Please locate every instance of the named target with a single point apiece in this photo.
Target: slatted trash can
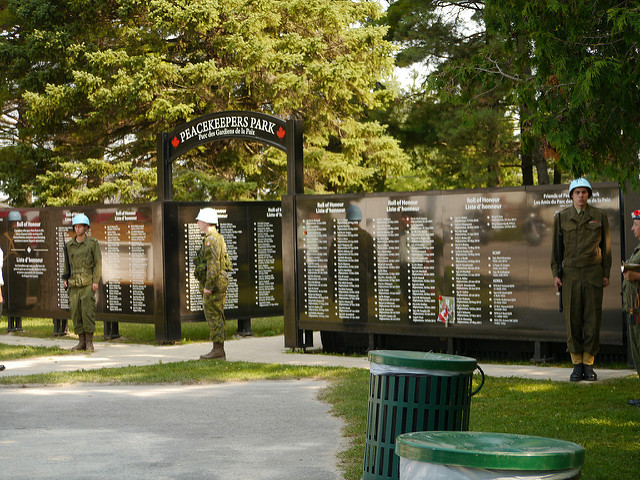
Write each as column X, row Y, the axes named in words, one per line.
column 411, row 392
column 486, row 456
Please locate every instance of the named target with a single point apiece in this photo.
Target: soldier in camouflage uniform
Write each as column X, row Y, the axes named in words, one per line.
column 212, row 265
column 582, row 274
column 83, row 269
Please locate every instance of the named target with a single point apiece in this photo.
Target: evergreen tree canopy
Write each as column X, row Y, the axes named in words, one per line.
column 89, row 84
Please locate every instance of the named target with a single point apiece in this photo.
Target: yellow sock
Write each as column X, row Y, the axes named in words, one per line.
column 588, row 359
column 576, row 358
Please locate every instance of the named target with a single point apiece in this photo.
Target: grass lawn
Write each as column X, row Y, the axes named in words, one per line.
column 145, row 333
column 594, row 415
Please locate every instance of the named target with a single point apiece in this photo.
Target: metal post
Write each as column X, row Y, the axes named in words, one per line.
column 244, row 327
column 14, row 324
column 293, row 337
column 111, row 330
column 60, row 327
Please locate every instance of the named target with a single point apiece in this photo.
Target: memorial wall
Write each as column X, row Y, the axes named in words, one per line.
column 471, row 264
column 131, row 241
column 450, row 264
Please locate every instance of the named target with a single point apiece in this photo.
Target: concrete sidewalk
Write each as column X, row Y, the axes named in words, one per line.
column 248, row 349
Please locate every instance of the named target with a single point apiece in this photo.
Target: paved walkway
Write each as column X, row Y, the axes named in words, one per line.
column 248, row 349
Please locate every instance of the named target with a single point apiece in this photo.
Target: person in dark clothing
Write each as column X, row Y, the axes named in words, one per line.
column 631, row 298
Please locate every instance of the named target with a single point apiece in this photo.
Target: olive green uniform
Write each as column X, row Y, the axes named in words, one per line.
column 631, row 305
column 587, row 261
column 83, row 269
column 214, row 253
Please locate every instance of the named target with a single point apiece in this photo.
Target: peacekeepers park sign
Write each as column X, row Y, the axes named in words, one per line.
column 252, row 126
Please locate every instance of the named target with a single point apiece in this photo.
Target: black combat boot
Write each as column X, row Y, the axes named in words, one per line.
column 578, row 372
column 589, row 375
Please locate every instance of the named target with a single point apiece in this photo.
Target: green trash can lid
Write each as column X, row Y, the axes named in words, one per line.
column 423, row 360
column 496, row 451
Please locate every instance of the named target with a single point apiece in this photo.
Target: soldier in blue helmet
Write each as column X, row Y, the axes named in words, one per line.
column 631, row 298
column 82, row 276
column 582, row 274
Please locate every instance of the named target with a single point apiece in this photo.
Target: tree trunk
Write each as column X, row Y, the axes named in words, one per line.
column 541, row 163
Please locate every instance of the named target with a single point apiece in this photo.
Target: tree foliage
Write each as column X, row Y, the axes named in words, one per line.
column 586, row 77
column 568, row 71
column 458, row 129
column 89, row 84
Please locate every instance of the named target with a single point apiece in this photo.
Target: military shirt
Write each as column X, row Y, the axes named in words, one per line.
column 85, row 262
column 586, row 239
column 214, row 251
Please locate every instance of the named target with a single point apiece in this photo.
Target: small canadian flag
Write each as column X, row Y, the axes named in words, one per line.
column 444, row 314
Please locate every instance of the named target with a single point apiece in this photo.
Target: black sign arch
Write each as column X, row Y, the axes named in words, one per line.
column 248, row 126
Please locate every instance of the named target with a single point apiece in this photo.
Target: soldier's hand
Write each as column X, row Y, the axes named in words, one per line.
column 557, row 282
column 206, row 291
column 605, row 281
column 94, row 286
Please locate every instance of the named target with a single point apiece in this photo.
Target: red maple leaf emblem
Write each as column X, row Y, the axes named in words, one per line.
column 175, row 142
column 281, row 133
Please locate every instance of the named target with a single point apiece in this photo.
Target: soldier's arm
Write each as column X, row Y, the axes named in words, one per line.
column 97, row 267
column 213, row 266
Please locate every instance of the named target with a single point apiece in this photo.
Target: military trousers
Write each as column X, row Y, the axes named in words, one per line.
column 82, row 303
column 213, row 306
column 582, row 291
column 634, row 339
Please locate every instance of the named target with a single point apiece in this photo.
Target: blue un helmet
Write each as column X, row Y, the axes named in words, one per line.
column 580, row 182
column 354, row 213
column 80, row 219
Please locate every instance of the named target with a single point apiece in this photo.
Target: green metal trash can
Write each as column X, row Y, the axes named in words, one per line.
column 411, row 392
column 486, row 456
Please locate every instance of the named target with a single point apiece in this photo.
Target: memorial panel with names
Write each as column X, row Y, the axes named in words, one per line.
column 234, row 229
column 265, row 223
column 30, row 271
column 125, row 235
column 406, row 273
column 333, row 246
column 544, row 317
column 484, row 253
column 348, row 266
column 313, row 244
column 252, row 233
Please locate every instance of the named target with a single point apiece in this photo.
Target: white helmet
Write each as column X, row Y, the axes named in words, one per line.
column 580, row 182
column 208, row 215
